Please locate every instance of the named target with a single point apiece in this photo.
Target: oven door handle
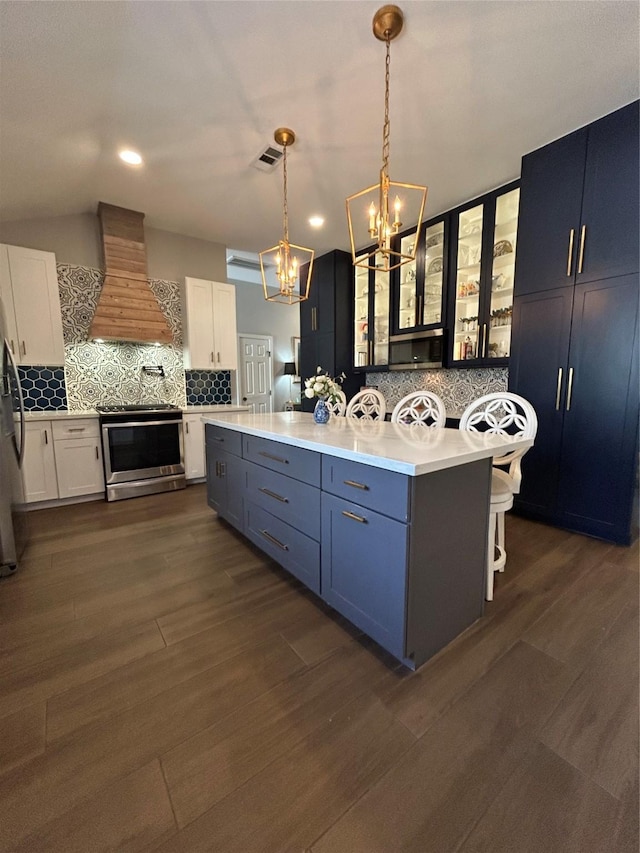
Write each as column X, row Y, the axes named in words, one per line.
column 108, row 425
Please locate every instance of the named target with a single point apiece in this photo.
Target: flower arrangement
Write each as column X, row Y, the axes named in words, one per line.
column 322, row 385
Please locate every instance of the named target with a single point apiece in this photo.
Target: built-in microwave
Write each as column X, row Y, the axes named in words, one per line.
column 416, row 350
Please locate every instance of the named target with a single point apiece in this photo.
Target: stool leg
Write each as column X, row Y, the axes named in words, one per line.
column 501, row 539
column 491, row 555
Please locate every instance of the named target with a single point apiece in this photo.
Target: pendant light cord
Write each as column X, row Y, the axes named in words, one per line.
column 285, row 207
column 386, row 127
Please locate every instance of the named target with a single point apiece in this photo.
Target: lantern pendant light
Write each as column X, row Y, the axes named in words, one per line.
column 375, row 214
column 286, row 258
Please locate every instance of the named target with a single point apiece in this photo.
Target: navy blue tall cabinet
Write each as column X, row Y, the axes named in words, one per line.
column 575, row 327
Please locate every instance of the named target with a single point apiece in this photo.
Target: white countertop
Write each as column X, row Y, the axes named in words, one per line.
column 395, row 447
column 65, row 414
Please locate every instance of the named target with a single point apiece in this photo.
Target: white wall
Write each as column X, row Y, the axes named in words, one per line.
column 76, row 240
column 256, row 316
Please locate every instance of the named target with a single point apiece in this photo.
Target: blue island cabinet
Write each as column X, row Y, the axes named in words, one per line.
column 402, row 557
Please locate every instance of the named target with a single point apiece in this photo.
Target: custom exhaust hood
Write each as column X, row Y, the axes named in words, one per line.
column 127, row 307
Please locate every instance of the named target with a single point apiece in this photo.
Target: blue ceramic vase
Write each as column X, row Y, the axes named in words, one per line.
column 321, row 413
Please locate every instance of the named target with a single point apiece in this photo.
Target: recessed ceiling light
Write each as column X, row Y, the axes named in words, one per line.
column 131, row 157
column 316, row 221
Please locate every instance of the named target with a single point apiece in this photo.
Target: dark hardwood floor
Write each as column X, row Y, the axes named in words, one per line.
column 165, row 687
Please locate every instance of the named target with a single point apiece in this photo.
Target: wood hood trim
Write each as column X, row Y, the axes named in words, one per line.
column 127, row 307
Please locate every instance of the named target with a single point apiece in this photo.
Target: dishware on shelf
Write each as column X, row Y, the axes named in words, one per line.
column 434, row 266
column 502, row 247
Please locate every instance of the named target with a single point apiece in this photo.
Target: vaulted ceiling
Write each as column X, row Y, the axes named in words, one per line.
column 199, row 87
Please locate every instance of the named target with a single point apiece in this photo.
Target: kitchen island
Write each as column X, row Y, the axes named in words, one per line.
column 387, row 523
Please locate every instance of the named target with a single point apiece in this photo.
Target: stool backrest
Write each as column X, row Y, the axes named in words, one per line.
column 368, row 405
column 420, row 407
column 339, row 406
column 503, row 413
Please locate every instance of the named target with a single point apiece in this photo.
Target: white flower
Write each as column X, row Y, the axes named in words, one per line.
column 308, row 392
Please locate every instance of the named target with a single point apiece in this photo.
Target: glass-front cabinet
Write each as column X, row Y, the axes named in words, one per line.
column 420, row 284
column 483, row 257
column 372, row 306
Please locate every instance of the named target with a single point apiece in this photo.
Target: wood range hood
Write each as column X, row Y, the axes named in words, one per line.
column 127, row 307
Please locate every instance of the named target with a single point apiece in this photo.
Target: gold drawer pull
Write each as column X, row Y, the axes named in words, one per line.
column 76, row 429
column 572, row 235
column 583, row 234
column 273, row 495
column 353, row 516
column 272, row 457
column 356, row 485
column 274, row 541
column 558, row 389
column 569, row 389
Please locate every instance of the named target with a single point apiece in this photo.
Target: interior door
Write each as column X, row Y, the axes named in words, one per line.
column 256, row 373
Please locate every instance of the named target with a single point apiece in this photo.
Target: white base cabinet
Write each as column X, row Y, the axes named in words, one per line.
column 39, row 479
column 78, row 457
column 194, row 460
column 210, row 330
column 63, row 459
column 29, row 292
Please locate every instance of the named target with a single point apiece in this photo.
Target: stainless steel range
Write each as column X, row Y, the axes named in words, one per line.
column 143, row 449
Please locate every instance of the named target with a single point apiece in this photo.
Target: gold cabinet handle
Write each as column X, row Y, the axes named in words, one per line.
column 485, row 338
column 354, row 517
column 211, row 358
column 46, row 437
column 97, row 452
column 13, row 348
column 558, row 389
column 218, row 354
column 76, row 429
column 569, row 388
column 273, row 495
column 186, row 427
column 419, row 313
column 572, row 235
column 274, row 541
column 24, row 348
column 356, row 485
column 583, row 234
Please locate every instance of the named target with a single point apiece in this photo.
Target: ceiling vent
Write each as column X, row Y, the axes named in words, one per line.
column 267, row 159
column 244, row 263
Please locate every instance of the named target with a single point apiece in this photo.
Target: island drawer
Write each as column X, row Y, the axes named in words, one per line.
column 76, row 428
column 375, row 488
column 227, row 439
column 290, row 500
column 294, row 551
column 285, row 458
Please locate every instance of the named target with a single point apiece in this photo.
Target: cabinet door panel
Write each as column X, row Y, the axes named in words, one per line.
column 364, row 573
column 540, row 347
column 550, row 205
column 37, row 305
column 610, row 205
column 194, row 466
column 224, row 326
column 600, row 419
column 39, row 466
column 79, row 467
column 200, row 353
column 6, row 296
column 235, row 475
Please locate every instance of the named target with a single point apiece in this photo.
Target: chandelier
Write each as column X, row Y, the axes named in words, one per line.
column 282, row 262
column 375, row 214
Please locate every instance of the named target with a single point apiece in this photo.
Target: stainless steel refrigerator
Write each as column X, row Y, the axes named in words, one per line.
column 13, row 523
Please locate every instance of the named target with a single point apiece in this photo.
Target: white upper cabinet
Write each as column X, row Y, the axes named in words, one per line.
column 210, row 325
column 29, row 291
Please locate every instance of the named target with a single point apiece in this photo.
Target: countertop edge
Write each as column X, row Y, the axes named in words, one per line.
column 377, row 461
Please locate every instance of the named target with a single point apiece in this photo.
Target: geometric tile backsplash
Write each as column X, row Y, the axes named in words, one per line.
column 43, row 388
column 456, row 388
column 102, row 373
column 208, row 387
